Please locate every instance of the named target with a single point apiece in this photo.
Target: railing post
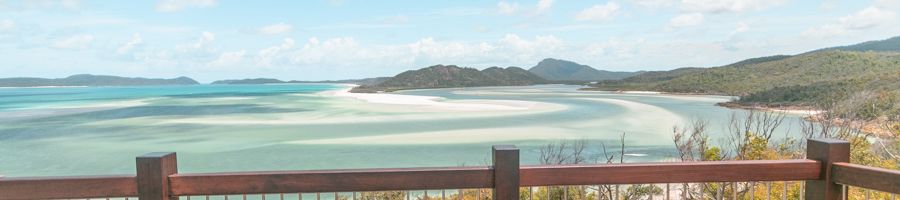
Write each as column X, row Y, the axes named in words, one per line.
column 506, row 172
column 153, row 172
column 827, row 151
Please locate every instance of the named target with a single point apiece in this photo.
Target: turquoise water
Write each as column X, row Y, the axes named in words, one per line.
column 215, row 128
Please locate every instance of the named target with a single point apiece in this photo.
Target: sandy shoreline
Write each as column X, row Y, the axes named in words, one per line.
column 440, row 103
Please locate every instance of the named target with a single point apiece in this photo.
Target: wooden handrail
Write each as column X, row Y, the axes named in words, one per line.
column 867, row 177
column 331, row 180
column 682, row 172
column 70, row 187
column 157, row 177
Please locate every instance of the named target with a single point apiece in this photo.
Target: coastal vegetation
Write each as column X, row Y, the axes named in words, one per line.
column 447, row 76
column 564, row 70
column 92, row 80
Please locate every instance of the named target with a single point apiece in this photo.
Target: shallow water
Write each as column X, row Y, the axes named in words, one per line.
column 214, row 128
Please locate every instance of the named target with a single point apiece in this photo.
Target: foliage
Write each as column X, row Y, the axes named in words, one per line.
column 92, row 80
column 445, row 76
column 563, row 70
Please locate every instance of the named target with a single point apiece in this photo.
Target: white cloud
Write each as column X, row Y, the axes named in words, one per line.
column 7, row 25
column 267, row 56
column 598, row 12
column 507, row 8
column 721, row 6
column 544, row 5
column 203, row 42
column 74, row 42
column 229, row 59
column 177, row 5
column 654, row 3
column 70, row 4
column 686, row 20
column 275, row 29
column 741, row 27
column 128, row 46
column 866, row 19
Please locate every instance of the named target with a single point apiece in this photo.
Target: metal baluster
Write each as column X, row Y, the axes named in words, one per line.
column 426, row 194
column 318, row 196
column 354, row 195
column 768, row 190
column 566, row 192
column 684, row 188
column 752, row 189
column 530, row 193
column 844, row 192
column 407, row 194
column 244, row 196
column 443, row 194
column 734, row 195
column 868, row 194
column 479, row 194
column 263, row 196
column 802, row 190
column 459, row 194
column 226, row 197
column 299, row 196
column 188, row 198
column 280, row 196
column 784, row 195
column 667, row 191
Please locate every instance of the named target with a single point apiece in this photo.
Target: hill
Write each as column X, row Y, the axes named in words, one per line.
column 890, row 44
column 93, row 80
column 363, row 81
column 446, row 76
column 563, row 70
column 249, row 81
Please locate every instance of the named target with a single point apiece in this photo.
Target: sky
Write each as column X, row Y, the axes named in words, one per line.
column 341, row 39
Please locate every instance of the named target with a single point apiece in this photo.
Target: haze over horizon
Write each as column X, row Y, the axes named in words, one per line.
column 343, row 39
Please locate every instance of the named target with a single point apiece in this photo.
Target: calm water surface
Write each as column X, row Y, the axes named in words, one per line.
column 214, row 128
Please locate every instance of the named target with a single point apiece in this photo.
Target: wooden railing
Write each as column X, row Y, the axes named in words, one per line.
column 157, row 177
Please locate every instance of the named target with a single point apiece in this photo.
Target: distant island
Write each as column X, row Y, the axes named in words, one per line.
column 445, row 76
column 364, row 81
column 547, row 71
column 92, row 80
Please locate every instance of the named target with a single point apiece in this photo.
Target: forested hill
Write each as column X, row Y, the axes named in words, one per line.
column 445, row 76
column 810, row 79
column 564, row 70
column 92, row 80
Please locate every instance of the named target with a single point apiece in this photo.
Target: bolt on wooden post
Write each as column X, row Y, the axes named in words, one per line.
column 827, row 151
column 506, row 172
column 153, row 172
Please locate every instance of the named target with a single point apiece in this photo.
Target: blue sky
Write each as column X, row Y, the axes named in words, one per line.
column 337, row 39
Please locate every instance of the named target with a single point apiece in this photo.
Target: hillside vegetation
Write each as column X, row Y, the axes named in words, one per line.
column 563, row 70
column 92, row 80
column 445, row 76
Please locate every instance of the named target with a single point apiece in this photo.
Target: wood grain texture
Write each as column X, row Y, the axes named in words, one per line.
column 826, row 151
column 331, row 180
column 885, row 180
column 153, row 172
column 506, row 172
column 67, row 187
column 717, row 171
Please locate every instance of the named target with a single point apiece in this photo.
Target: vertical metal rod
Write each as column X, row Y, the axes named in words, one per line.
column 868, row 194
column 479, row 194
column 752, row 189
column 226, row 197
column 684, row 188
column 426, row 194
column 784, row 194
column 443, row 194
column 318, row 196
column 667, row 191
column 335, row 196
column 407, row 194
column 459, row 194
column 263, row 196
column 354, row 195
column 299, row 196
column 844, row 192
column 768, row 190
column 280, row 196
column 530, row 193
column 734, row 195
column 566, row 192
column 244, row 196
column 802, row 190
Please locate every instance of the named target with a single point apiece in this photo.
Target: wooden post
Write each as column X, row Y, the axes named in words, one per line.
column 506, row 172
column 153, row 170
column 827, row 151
